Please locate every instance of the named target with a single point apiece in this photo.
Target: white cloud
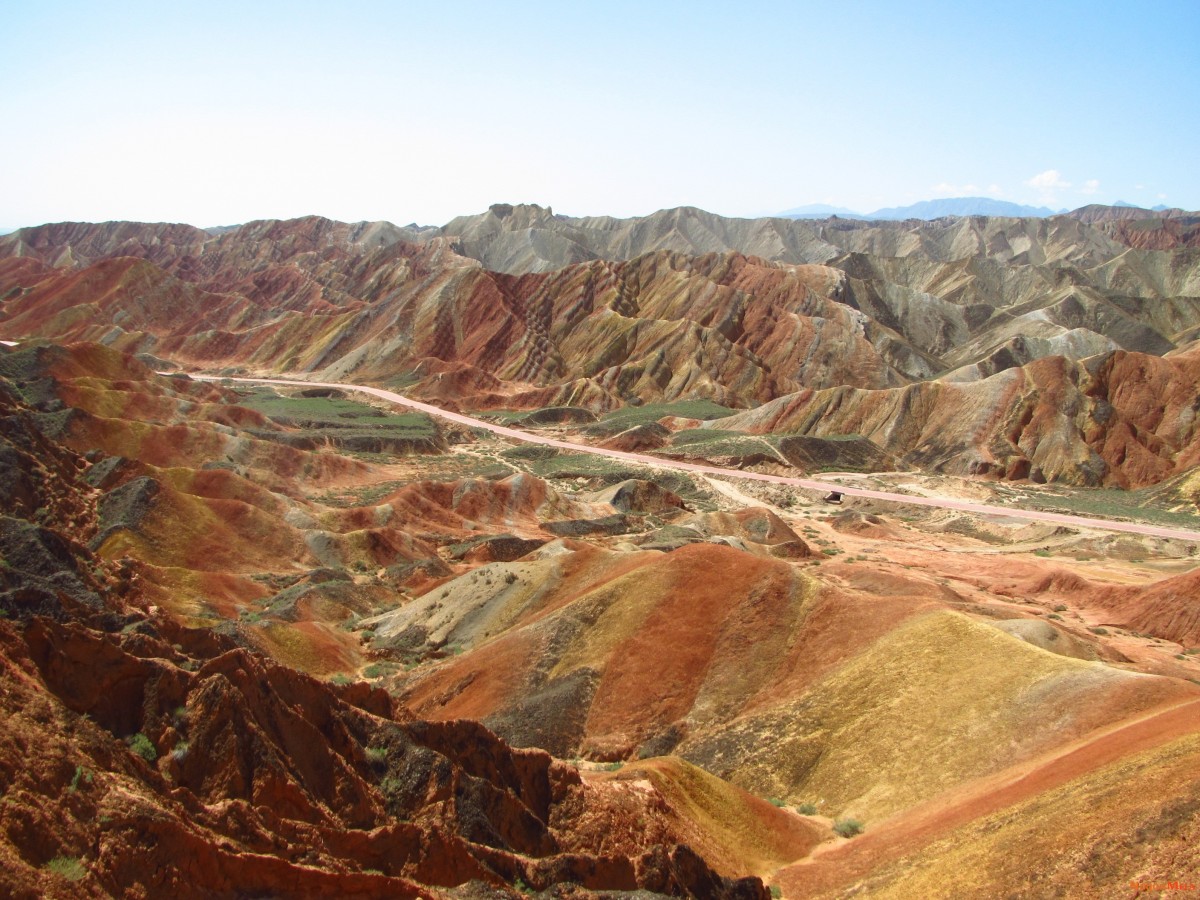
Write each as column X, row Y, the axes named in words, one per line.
column 1162, row 196
column 1049, row 185
column 1048, row 181
column 994, row 190
column 1090, row 186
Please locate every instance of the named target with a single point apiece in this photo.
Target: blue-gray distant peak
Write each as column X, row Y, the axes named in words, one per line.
column 820, row 211
column 960, row 206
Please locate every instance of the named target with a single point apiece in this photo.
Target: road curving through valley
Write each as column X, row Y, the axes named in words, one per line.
column 810, row 484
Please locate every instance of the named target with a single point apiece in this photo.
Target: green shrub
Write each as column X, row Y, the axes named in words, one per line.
column 775, row 801
column 68, row 867
column 1060, row 607
column 807, row 809
column 180, row 751
column 377, row 754
column 776, row 892
column 340, row 679
column 848, row 828
column 141, row 745
column 81, row 774
column 1099, row 629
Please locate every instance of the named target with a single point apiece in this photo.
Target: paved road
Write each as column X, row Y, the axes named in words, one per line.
column 806, row 483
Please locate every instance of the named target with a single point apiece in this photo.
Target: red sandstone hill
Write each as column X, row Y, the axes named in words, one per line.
column 985, row 321
column 1124, row 419
column 1145, row 229
column 140, row 756
column 926, row 298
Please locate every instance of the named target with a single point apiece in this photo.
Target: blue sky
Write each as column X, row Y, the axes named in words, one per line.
column 217, row 113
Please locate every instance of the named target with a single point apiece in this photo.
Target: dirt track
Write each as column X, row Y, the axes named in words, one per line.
column 806, row 483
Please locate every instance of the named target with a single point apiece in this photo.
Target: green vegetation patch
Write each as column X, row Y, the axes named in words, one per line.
column 1142, row 505
column 603, row 472
column 703, row 435
column 337, row 412
column 712, row 442
column 530, row 452
column 631, row 416
column 584, row 465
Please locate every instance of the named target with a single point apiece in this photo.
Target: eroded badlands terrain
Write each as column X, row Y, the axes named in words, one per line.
column 287, row 640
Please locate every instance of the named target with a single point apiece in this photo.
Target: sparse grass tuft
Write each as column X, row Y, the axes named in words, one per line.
column 68, row 867
column 81, row 775
column 848, row 828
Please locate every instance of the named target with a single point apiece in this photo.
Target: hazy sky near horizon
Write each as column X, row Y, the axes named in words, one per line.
column 218, row 113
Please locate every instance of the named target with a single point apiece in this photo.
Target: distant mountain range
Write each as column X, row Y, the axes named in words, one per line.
column 926, row 209
column 961, row 327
